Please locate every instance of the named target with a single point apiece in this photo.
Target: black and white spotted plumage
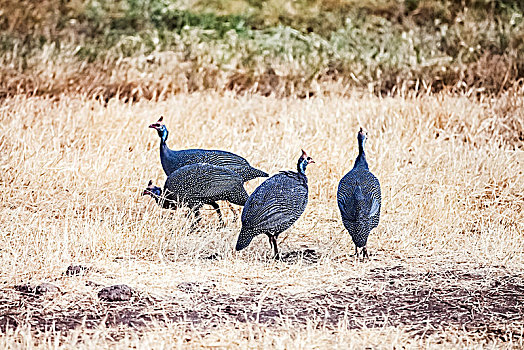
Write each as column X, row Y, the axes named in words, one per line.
column 275, row 205
column 359, row 199
column 172, row 160
column 197, row 184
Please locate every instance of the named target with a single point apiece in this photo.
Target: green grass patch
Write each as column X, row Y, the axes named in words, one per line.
column 287, row 47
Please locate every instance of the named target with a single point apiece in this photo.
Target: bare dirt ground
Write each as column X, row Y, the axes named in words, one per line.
column 490, row 301
column 447, row 260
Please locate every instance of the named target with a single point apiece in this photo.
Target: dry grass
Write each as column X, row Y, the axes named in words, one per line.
column 451, row 169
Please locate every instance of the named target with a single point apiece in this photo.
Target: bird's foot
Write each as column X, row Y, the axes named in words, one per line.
column 365, row 255
column 355, row 254
column 363, row 252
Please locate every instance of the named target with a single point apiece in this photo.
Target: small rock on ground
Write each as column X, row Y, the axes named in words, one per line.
column 74, row 270
column 41, row 289
column 196, row 287
column 45, row 288
column 309, row 256
column 119, row 292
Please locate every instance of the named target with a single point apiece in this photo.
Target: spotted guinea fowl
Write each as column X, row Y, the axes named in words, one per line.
column 275, row 205
column 197, row 184
column 359, row 199
column 172, row 160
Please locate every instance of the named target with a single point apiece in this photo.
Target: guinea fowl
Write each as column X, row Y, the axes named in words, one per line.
column 359, row 199
column 275, row 205
column 197, row 184
column 172, row 160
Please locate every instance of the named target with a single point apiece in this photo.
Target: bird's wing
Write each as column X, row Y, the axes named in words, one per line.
column 203, row 180
column 353, row 197
column 373, row 187
column 349, row 207
column 375, row 206
column 345, row 197
column 224, row 158
column 278, row 200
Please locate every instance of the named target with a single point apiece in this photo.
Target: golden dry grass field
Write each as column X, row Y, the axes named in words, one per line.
column 446, row 269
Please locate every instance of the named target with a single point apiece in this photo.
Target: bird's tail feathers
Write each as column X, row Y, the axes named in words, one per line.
column 239, row 197
column 253, row 173
column 260, row 173
column 244, row 238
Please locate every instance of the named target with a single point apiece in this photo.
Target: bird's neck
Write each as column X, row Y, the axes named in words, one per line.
column 163, row 134
column 301, row 167
column 156, row 197
column 164, row 148
column 361, row 158
column 162, row 200
column 166, row 204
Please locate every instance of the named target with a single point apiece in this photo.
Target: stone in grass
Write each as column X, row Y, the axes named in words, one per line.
column 44, row 288
column 41, row 289
column 74, row 270
column 119, row 292
column 196, row 287
column 309, row 256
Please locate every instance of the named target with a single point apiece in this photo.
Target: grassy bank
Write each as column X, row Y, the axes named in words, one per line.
column 153, row 48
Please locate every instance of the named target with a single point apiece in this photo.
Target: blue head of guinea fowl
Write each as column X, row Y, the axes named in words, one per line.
column 303, row 162
column 153, row 191
column 160, row 128
column 362, row 136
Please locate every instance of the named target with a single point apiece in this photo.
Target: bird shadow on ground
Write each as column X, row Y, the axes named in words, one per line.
column 308, row 256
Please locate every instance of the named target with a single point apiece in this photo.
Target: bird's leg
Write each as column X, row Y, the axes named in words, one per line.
column 275, row 248
column 196, row 211
column 365, row 253
column 217, row 208
column 235, row 215
column 270, row 242
column 356, row 252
